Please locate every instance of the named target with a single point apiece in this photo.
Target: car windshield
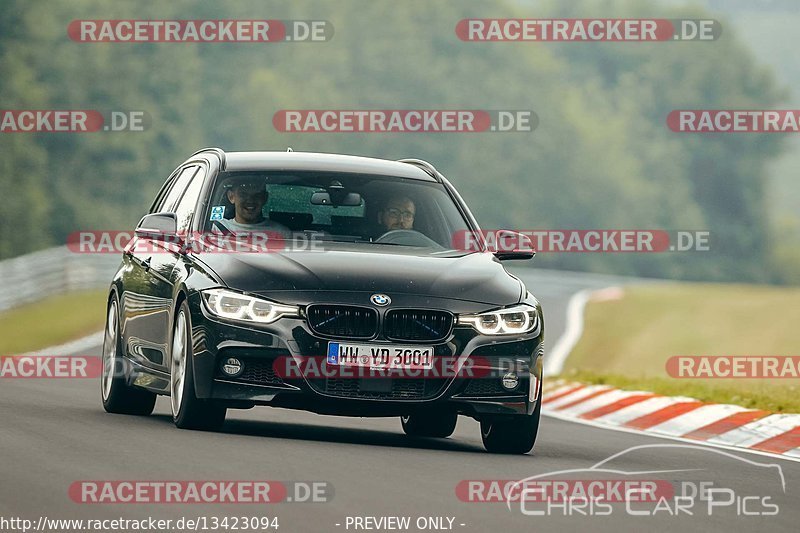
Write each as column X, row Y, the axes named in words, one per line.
column 335, row 207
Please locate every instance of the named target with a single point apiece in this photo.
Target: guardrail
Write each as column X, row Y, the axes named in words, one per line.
column 34, row 276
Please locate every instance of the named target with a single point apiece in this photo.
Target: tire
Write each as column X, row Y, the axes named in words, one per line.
column 118, row 397
column 513, row 434
column 188, row 411
column 437, row 424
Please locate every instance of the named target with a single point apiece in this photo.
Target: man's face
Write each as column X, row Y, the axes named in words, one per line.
column 398, row 214
column 249, row 200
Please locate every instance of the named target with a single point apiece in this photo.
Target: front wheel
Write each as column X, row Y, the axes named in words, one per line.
column 513, row 434
column 437, row 424
column 118, row 397
column 188, row 411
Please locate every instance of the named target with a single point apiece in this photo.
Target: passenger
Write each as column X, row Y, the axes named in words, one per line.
column 398, row 213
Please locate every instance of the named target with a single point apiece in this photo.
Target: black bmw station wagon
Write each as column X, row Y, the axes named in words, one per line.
column 329, row 283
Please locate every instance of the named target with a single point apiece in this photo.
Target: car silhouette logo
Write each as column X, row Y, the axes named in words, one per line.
column 380, row 299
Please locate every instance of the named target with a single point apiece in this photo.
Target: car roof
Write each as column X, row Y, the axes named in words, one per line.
column 242, row 161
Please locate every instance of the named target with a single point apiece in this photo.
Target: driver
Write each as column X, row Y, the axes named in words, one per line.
column 397, row 213
column 248, row 197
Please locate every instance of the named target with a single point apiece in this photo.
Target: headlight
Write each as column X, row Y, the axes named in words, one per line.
column 513, row 320
column 236, row 306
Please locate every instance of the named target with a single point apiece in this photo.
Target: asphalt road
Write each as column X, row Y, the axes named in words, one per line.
column 55, row 432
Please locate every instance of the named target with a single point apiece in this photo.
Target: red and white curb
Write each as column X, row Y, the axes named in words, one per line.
column 729, row 426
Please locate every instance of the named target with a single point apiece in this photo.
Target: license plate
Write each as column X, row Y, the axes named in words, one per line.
column 377, row 356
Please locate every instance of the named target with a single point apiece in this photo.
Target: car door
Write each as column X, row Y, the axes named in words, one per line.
column 163, row 266
column 146, row 299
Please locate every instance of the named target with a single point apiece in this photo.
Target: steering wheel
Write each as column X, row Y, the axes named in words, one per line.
column 407, row 237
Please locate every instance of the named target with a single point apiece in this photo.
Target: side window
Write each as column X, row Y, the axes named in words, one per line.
column 186, row 206
column 168, row 204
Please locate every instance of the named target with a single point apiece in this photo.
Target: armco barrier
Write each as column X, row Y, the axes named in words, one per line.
column 34, row 276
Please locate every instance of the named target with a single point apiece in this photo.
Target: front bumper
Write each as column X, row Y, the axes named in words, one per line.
column 475, row 389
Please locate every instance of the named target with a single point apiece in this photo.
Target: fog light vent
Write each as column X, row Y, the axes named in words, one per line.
column 510, row 381
column 232, row 367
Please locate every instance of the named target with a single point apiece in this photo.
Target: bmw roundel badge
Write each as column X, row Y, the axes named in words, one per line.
column 380, row 299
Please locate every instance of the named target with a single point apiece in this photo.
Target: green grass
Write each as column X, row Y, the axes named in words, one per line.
column 52, row 321
column 627, row 342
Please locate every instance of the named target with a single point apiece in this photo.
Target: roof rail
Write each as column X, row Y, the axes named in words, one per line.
column 219, row 152
column 424, row 165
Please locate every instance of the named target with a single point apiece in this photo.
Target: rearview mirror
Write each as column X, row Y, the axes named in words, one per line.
column 336, row 198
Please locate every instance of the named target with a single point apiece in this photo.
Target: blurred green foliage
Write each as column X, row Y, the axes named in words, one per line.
column 601, row 157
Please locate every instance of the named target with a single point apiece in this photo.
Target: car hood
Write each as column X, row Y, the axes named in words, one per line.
column 476, row 277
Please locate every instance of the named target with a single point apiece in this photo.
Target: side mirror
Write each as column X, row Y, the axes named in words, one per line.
column 159, row 227
column 511, row 245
